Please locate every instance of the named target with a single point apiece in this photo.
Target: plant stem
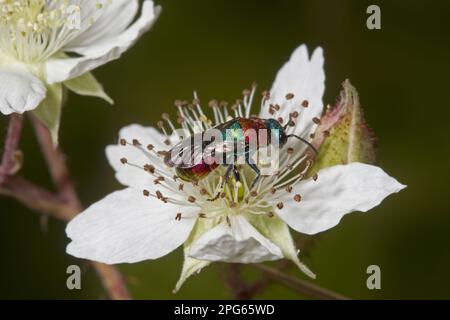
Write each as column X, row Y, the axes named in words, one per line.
column 241, row 290
column 63, row 205
column 56, row 163
column 299, row 285
column 8, row 163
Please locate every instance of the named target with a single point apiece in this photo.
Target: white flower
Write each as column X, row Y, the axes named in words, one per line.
column 47, row 43
column 157, row 212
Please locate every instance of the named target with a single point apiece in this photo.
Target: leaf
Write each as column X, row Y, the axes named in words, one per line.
column 87, row 85
column 343, row 135
column 274, row 229
column 49, row 111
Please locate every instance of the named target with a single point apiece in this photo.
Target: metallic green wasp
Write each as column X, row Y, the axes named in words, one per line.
column 196, row 157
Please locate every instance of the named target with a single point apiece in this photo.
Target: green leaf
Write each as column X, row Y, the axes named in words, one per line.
column 49, row 111
column 343, row 135
column 87, row 85
column 193, row 266
column 274, row 229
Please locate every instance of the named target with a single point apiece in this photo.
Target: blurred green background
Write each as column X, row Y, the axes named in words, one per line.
column 218, row 48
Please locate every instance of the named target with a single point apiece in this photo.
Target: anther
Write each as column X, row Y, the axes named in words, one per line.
column 326, row 133
column 181, row 187
column 280, row 205
column 266, row 95
column 162, row 153
column 290, row 96
column 271, row 110
column 124, row 160
column 316, row 120
column 273, row 191
column 178, row 217
column 289, row 189
column 270, row 214
column 149, row 168
column 146, row 193
column 254, row 194
column 150, row 147
column 228, row 221
column 167, row 142
column 165, row 116
column 202, row 215
column 123, row 142
column 305, row 104
column 290, row 151
column 297, row 198
column 246, row 93
column 192, row 199
column 315, row 177
column 280, row 120
column 203, row 192
column 294, row 115
column 213, row 103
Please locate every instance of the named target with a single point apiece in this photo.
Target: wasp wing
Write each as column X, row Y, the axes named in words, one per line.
column 188, row 152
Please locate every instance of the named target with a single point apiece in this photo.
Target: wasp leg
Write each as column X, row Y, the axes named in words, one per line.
column 255, row 168
column 224, row 181
column 236, row 174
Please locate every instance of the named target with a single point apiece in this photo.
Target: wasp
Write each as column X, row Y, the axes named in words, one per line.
column 195, row 157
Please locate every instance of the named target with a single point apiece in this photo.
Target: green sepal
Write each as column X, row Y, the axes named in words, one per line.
column 87, row 85
column 343, row 135
column 49, row 111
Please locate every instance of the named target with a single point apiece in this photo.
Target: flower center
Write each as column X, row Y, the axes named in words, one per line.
column 217, row 194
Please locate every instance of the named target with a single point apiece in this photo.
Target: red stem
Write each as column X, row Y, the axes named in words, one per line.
column 8, row 164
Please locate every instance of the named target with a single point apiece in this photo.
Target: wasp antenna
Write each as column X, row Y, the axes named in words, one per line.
column 304, row 141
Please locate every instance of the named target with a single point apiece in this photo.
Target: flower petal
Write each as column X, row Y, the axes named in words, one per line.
column 240, row 243
column 113, row 18
column 131, row 175
column 20, row 91
column 59, row 69
column 339, row 190
column 305, row 78
column 126, row 227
